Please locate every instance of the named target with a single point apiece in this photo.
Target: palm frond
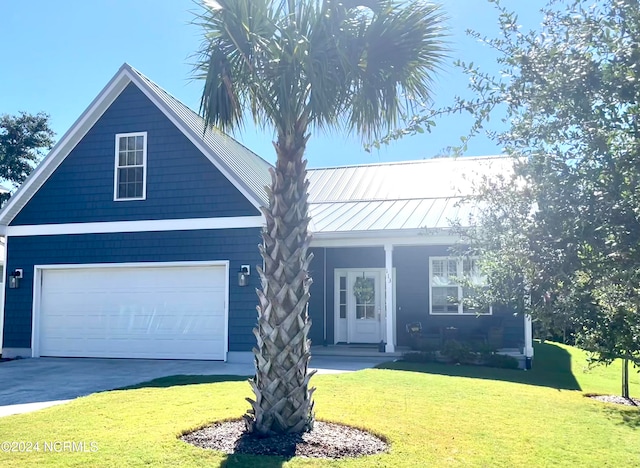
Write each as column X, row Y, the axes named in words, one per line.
column 318, row 63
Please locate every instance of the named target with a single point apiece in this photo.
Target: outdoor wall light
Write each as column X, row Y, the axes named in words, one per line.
column 243, row 275
column 14, row 278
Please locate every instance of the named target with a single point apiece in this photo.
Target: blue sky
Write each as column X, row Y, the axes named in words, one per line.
column 58, row 55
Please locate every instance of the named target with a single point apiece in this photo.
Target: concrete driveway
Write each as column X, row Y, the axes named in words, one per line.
column 31, row 384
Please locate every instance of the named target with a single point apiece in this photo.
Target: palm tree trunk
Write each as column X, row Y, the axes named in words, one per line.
column 283, row 401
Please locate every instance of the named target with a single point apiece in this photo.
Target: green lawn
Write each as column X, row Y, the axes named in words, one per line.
column 433, row 415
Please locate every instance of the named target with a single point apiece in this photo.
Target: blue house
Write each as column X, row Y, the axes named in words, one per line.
column 136, row 237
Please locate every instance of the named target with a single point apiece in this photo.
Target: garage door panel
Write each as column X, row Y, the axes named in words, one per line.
column 137, row 312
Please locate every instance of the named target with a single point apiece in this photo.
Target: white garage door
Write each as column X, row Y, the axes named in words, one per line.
column 134, row 312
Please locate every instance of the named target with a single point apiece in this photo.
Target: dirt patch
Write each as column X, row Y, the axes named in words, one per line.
column 326, row 440
column 616, row 399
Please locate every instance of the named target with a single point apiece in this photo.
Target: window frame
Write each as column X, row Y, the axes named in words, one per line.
column 459, row 272
column 117, row 166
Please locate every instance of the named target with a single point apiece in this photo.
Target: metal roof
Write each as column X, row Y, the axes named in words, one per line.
column 398, row 196
column 370, row 198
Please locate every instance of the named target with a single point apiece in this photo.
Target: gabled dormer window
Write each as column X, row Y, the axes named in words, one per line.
column 131, row 166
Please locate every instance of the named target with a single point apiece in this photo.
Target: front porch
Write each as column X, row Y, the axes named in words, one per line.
column 357, row 350
column 397, row 282
column 371, row 351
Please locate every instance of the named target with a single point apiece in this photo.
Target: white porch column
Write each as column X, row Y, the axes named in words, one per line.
column 388, row 282
column 528, row 341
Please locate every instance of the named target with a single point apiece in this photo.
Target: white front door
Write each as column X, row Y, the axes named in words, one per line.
column 360, row 302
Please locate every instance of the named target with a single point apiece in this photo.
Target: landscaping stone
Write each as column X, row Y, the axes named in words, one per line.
column 326, row 440
column 615, row 399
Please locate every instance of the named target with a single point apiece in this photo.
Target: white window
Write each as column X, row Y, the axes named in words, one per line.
column 445, row 293
column 131, row 166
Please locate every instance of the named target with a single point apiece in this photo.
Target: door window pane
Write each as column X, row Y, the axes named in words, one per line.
column 342, row 300
column 365, row 293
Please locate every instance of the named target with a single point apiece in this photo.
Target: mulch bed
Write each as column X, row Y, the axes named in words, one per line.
column 616, row 399
column 326, row 440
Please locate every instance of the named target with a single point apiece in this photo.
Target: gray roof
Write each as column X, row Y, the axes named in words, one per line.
column 398, row 196
column 250, row 169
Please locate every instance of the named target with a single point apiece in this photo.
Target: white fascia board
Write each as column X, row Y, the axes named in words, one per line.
column 380, row 238
column 190, row 224
column 195, row 139
column 64, row 146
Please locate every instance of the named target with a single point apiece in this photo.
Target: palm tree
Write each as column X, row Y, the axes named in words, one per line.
column 297, row 66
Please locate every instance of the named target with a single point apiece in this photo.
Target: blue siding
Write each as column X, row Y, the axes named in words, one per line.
column 239, row 246
column 412, row 293
column 181, row 181
column 348, row 257
column 412, row 302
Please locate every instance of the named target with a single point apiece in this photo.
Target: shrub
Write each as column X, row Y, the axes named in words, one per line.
column 420, row 356
column 502, row 361
column 458, row 352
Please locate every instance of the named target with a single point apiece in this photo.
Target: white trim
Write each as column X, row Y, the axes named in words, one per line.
column 324, row 294
column 3, row 293
column 460, row 312
column 117, row 165
column 389, row 310
column 377, row 239
column 337, row 272
column 37, row 291
column 528, row 337
column 189, row 224
column 79, row 266
column 35, row 311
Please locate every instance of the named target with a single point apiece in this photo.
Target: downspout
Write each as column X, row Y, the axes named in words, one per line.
column 324, row 293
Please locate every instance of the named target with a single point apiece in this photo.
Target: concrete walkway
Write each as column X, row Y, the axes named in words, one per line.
column 32, row 384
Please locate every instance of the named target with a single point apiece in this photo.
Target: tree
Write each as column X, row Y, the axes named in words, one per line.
column 23, row 140
column 299, row 66
column 562, row 236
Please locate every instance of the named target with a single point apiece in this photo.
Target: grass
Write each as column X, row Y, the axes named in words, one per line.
column 433, row 415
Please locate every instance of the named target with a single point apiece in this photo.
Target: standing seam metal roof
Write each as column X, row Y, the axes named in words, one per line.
column 399, row 196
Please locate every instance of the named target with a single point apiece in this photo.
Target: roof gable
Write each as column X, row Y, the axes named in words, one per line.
column 244, row 169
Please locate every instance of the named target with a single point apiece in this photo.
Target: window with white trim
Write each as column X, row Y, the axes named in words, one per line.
column 446, row 294
column 131, row 166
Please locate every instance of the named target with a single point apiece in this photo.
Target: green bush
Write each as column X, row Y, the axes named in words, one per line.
column 457, row 352
column 502, row 361
column 420, row 356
